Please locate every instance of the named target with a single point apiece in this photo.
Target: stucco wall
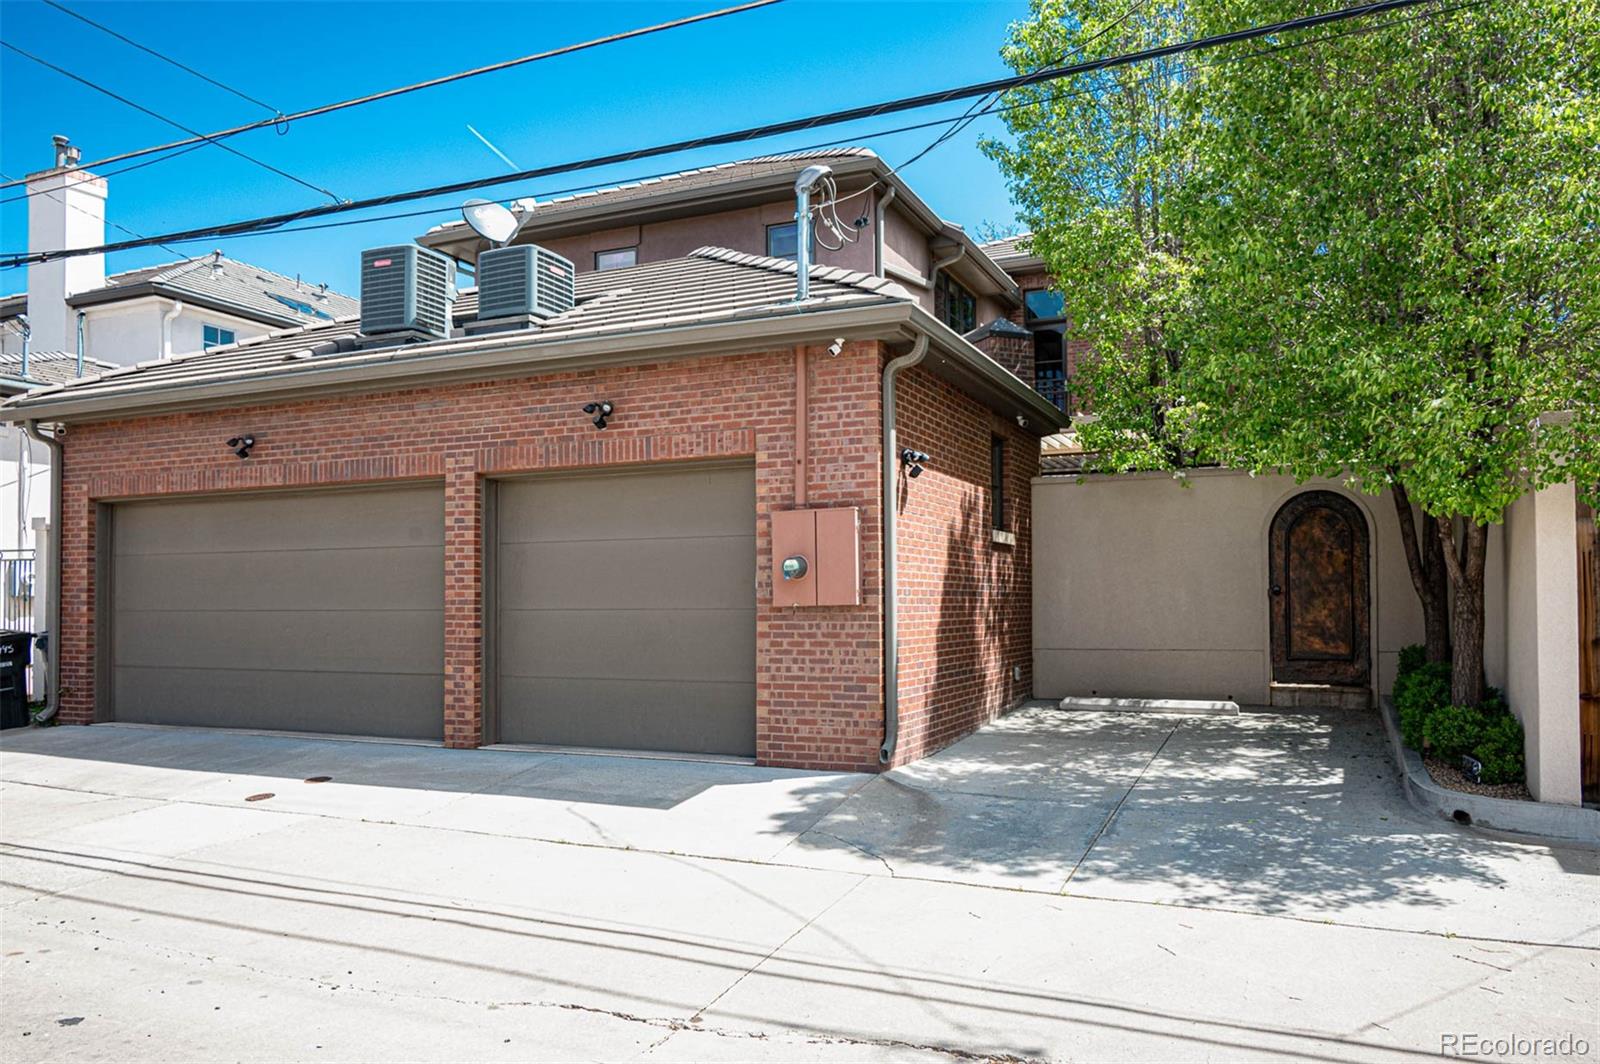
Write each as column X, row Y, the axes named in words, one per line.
column 1144, row 587
column 130, row 332
column 1540, row 592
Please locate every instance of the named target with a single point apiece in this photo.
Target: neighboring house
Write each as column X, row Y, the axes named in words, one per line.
column 1043, row 315
column 453, row 539
column 73, row 309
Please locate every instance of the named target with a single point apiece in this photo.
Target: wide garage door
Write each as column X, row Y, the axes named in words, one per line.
column 317, row 611
column 625, row 610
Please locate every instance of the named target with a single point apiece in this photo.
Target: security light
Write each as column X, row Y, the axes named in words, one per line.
column 241, row 445
column 913, row 460
column 599, row 410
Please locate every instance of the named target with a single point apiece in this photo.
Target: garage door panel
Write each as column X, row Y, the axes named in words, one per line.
column 628, row 506
column 699, row 573
column 382, row 578
column 338, row 703
column 319, row 611
column 330, row 519
column 631, row 644
column 693, row 717
column 389, row 641
column 625, row 610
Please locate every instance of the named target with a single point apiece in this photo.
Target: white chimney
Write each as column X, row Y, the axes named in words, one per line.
column 65, row 210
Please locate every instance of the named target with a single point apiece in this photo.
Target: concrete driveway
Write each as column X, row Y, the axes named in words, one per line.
column 1058, row 886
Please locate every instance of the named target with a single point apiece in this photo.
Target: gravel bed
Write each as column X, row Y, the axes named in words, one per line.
column 1448, row 775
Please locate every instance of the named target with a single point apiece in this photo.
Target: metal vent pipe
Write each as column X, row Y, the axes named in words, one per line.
column 802, row 227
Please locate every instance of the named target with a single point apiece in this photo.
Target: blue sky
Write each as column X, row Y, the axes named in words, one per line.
column 786, row 61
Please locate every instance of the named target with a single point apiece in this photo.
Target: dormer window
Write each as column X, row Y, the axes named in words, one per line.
column 616, row 259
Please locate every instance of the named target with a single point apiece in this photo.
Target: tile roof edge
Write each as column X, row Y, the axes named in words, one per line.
column 837, row 274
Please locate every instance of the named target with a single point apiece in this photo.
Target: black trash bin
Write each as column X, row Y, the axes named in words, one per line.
column 16, row 650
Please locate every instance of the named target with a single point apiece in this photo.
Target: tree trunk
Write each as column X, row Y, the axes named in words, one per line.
column 1425, row 559
column 1466, row 564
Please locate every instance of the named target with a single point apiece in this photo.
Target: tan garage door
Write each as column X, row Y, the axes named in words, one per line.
column 625, row 608
column 317, row 611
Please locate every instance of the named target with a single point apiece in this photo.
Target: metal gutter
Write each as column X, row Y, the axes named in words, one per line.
column 891, row 568
column 499, row 355
column 146, row 289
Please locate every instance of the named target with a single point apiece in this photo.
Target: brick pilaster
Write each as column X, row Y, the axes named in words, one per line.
column 463, row 601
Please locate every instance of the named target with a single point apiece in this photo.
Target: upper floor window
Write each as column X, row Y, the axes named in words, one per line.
column 214, row 336
column 1044, row 304
column 783, row 241
column 616, row 259
column 954, row 305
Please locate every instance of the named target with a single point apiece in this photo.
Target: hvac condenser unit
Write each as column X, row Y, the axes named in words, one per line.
column 524, row 280
column 406, row 289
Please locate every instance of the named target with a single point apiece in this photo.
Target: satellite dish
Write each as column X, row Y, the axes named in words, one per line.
column 491, row 221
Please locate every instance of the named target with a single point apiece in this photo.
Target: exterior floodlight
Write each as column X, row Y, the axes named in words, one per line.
column 490, row 220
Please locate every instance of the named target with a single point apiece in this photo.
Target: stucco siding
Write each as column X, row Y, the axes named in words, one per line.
column 1147, row 587
column 1541, row 637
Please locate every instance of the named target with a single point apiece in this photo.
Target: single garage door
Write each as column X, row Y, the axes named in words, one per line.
column 625, row 611
column 317, row 611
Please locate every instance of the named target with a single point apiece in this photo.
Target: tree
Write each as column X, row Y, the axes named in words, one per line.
column 1091, row 169
column 1391, row 250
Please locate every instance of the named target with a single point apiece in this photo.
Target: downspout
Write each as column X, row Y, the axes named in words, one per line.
column 166, row 328
column 27, row 344
column 891, row 523
column 933, row 274
column 52, row 605
column 882, row 208
column 80, row 343
column 802, row 415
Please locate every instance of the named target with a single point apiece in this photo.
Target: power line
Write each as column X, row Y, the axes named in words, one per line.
column 282, row 121
column 161, row 117
column 161, row 56
column 91, row 214
column 979, row 89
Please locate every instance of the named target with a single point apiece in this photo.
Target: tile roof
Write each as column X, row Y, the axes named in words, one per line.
column 709, row 284
column 13, row 305
column 45, row 367
column 251, row 290
column 703, row 177
column 1010, row 251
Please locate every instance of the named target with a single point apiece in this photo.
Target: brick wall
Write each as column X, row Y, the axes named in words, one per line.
column 1075, row 348
column 966, row 610
column 1014, row 353
column 818, row 678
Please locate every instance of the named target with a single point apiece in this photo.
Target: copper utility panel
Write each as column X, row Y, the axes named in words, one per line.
column 816, row 557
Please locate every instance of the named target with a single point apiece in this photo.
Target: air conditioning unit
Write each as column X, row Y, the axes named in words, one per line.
column 406, row 289
column 524, row 280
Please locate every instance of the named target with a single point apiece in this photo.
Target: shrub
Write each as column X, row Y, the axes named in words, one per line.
column 1417, row 694
column 1454, row 730
column 1500, row 750
column 1412, row 658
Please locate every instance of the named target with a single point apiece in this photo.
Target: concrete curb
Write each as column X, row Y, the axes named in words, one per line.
column 1540, row 821
column 1153, row 705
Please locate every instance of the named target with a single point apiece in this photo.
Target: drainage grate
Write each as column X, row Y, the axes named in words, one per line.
column 259, row 797
column 318, row 779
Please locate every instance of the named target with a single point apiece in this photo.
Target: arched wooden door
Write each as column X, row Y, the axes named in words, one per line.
column 1320, row 601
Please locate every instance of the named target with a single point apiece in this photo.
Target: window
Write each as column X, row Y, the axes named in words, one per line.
column 1050, row 364
column 214, row 336
column 997, row 482
column 782, row 241
column 954, row 305
column 1044, row 305
column 616, row 259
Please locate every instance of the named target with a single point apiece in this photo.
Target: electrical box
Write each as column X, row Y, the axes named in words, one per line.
column 816, row 557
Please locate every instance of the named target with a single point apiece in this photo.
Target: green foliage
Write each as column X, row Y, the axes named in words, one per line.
column 1417, row 694
column 1369, row 252
column 1412, row 658
column 1500, row 749
column 1454, row 730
